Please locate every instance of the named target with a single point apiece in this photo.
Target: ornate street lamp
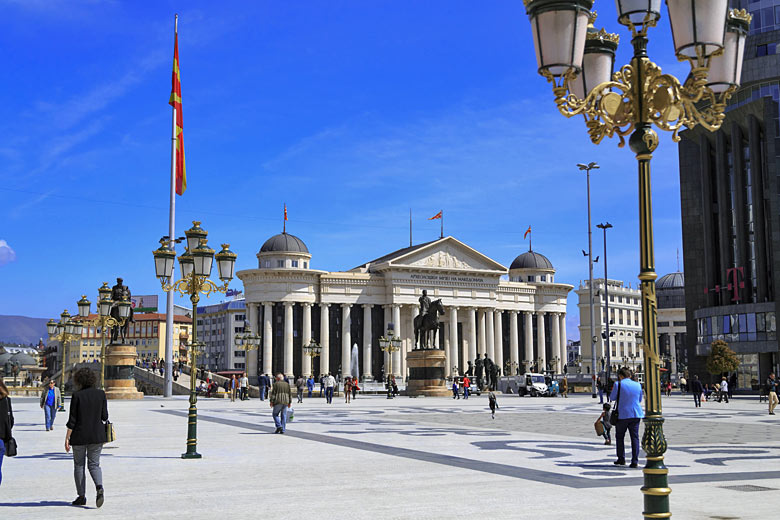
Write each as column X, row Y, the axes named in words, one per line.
column 64, row 331
column 390, row 344
column 638, row 96
column 313, row 349
column 248, row 340
column 195, row 266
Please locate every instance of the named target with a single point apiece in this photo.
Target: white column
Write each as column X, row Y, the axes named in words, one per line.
column 453, row 340
column 325, row 338
column 540, row 339
column 556, row 342
column 346, row 340
column 397, row 355
column 288, row 339
column 489, row 343
column 673, row 352
column 268, row 336
column 528, row 325
column 481, row 346
column 562, row 336
column 472, row 343
column 388, row 320
column 409, row 343
column 498, row 339
column 305, row 339
column 514, row 349
column 367, row 341
column 252, row 369
column 448, row 363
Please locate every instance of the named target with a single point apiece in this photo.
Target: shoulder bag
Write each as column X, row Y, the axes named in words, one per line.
column 10, row 447
column 110, row 433
column 613, row 417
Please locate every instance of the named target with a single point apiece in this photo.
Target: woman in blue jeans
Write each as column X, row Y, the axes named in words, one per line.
column 51, row 400
column 627, row 396
column 6, row 423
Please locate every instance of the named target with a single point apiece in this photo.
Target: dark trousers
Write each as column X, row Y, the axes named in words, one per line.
column 329, row 394
column 632, row 425
column 697, row 399
column 300, row 395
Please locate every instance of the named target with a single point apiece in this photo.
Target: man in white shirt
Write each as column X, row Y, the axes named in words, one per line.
column 724, row 390
column 244, row 387
column 330, row 383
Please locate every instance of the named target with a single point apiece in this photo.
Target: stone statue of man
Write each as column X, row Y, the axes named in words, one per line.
column 425, row 303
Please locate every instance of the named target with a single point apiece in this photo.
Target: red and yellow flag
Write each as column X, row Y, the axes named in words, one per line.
column 438, row 215
column 526, row 233
column 285, row 212
column 175, row 102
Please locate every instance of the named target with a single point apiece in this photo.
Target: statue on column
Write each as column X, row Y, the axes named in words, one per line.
column 494, row 372
column 478, row 371
column 488, row 363
column 120, row 292
column 469, row 370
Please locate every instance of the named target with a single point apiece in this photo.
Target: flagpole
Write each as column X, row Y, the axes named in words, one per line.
column 410, row 228
column 168, row 390
column 442, row 224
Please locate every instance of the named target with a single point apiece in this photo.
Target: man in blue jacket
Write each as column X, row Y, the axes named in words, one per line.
column 627, row 396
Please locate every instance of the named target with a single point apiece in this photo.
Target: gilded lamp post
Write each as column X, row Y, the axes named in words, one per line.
column 579, row 60
column 103, row 320
column 195, row 265
column 313, row 350
column 390, row 344
column 64, row 331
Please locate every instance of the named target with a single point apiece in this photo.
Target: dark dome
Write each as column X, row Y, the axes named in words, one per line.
column 531, row 260
column 671, row 281
column 284, row 243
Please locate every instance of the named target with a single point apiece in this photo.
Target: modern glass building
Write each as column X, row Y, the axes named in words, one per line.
column 731, row 213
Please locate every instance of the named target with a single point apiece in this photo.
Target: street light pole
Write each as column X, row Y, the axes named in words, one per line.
column 607, row 347
column 587, row 168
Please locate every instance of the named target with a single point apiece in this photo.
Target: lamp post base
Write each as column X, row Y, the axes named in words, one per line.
column 193, row 455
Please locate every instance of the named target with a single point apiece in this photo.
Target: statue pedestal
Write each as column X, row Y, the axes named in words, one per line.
column 426, row 373
column 120, row 367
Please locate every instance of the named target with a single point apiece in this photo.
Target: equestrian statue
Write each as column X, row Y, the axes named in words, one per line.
column 426, row 324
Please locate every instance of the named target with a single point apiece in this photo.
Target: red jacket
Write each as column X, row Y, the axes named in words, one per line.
column 466, row 382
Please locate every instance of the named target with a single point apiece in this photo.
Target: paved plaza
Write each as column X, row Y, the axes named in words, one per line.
column 406, row 458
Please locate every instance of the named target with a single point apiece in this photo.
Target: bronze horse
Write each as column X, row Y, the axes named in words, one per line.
column 427, row 323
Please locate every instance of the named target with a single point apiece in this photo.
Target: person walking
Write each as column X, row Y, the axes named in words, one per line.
column 6, row 423
column 300, row 384
column 244, row 387
column 493, row 403
column 310, row 385
column 347, row 389
column 323, row 378
column 565, row 388
column 627, row 395
column 697, row 390
column 771, row 388
column 330, row 382
column 723, row 393
column 606, row 426
column 51, row 400
column 455, row 393
column 281, row 400
column 262, row 383
column 466, row 387
column 233, row 384
column 355, row 388
column 87, row 433
column 683, row 385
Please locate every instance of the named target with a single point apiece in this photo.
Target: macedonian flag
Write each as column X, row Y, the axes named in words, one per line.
column 175, row 102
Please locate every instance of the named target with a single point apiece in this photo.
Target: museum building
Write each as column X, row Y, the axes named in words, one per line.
column 517, row 315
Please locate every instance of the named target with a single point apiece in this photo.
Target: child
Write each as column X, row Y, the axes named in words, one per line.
column 455, row 393
column 604, row 418
column 493, row 403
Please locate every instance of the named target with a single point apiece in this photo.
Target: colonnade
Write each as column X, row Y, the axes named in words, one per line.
column 482, row 330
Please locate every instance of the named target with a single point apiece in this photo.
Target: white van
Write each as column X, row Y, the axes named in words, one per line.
column 533, row 385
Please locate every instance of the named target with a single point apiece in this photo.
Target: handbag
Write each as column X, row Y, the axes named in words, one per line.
column 290, row 414
column 110, row 432
column 613, row 417
column 10, row 447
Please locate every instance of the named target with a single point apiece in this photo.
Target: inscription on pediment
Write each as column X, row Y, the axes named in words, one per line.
column 444, row 259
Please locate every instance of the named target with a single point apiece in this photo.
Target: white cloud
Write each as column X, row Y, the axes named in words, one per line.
column 7, row 255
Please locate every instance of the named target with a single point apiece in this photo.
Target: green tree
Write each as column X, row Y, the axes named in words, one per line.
column 721, row 358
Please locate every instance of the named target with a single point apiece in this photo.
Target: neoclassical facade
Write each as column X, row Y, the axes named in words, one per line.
column 517, row 315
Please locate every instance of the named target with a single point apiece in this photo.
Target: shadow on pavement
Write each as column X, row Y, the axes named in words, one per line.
column 42, row 503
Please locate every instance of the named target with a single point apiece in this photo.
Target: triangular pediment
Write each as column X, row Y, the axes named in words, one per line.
column 447, row 254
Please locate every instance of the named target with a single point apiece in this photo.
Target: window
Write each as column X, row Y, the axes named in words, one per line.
column 530, row 278
column 306, row 265
column 543, row 278
column 280, row 263
column 239, row 353
column 295, row 263
column 267, row 263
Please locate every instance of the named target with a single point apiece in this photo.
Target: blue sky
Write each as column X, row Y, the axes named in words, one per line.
column 351, row 112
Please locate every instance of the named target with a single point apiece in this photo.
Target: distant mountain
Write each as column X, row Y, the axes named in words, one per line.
column 22, row 329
